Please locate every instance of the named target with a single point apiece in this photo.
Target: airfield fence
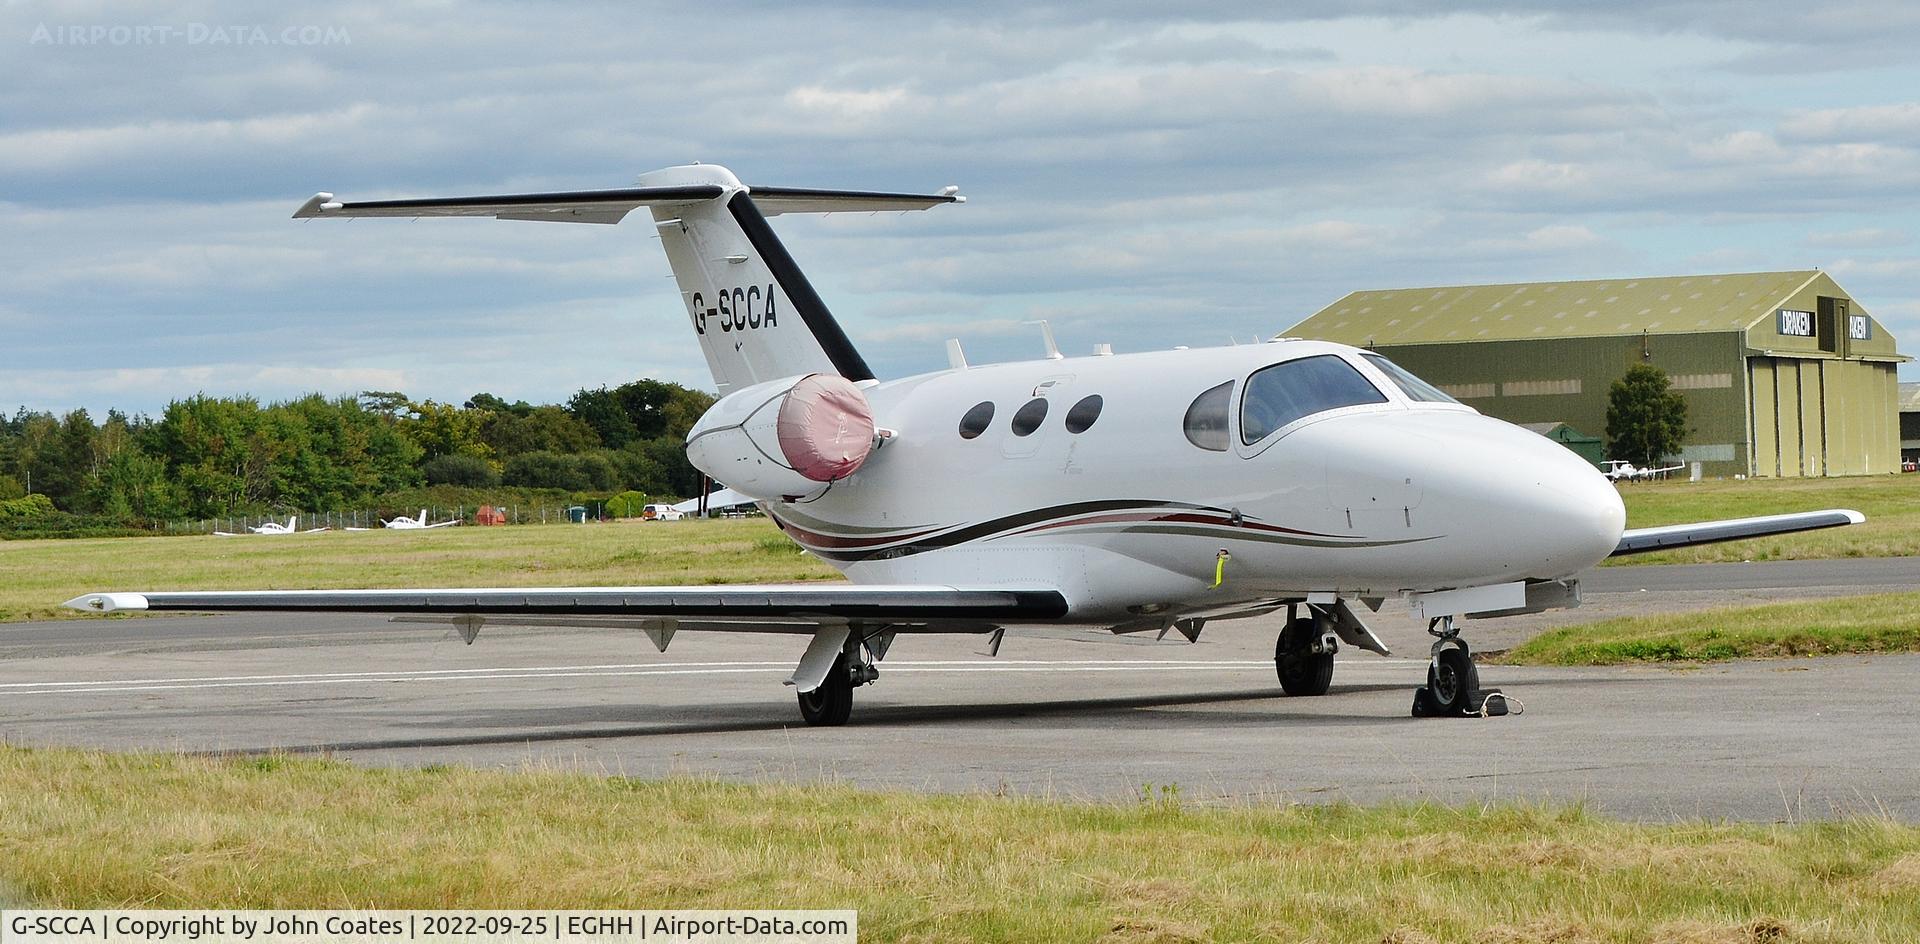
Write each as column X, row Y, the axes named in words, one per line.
column 366, row 518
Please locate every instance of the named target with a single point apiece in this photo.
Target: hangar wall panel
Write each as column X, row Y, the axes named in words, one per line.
column 1566, row 380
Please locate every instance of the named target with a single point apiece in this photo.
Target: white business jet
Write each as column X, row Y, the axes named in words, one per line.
column 404, row 523
column 272, row 527
column 1149, row 492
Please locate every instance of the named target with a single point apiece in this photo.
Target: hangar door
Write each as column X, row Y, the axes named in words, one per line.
column 1822, row 417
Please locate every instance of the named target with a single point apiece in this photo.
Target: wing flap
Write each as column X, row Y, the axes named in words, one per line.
column 1644, row 540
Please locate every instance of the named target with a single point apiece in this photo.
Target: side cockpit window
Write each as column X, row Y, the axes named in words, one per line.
column 1285, row 392
column 1416, row 389
column 1206, row 422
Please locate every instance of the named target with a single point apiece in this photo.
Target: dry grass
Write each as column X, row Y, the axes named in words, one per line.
column 1888, row 622
column 35, row 576
column 98, row 830
column 1890, row 502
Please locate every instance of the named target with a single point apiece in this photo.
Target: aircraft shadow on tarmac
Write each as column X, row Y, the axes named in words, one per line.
column 544, row 725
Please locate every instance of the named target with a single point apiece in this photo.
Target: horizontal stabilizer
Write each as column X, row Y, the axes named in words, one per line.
column 611, row 206
column 1643, row 540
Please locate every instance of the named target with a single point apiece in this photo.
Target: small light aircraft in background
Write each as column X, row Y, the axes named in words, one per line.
column 404, row 523
column 1137, row 493
column 272, row 527
column 1622, row 470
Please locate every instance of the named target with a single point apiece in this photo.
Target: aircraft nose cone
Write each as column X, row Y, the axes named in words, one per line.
column 1525, row 503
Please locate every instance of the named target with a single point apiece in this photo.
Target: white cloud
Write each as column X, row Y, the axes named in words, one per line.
column 1136, row 177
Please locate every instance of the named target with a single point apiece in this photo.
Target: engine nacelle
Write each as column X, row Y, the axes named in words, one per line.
column 784, row 440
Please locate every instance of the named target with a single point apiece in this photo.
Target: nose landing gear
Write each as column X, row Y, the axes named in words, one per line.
column 1453, row 683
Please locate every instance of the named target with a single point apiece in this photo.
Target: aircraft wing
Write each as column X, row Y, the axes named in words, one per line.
column 830, row 614
column 1643, row 540
column 797, row 604
column 612, row 206
column 444, row 524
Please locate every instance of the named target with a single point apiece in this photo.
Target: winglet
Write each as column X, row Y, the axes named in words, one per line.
column 316, row 205
column 108, row 602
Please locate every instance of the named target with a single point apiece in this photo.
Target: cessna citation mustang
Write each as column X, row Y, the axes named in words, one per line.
column 1134, row 492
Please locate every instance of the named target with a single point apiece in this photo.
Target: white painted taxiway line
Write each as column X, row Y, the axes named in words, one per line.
column 97, row 686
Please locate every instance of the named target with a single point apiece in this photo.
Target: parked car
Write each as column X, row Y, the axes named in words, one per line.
column 661, row 513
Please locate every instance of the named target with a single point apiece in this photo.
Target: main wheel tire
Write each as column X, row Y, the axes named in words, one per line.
column 1301, row 671
column 832, row 703
column 1451, row 680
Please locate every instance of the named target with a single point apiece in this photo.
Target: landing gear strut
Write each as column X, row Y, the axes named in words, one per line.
column 1453, row 683
column 831, row 704
column 1303, row 655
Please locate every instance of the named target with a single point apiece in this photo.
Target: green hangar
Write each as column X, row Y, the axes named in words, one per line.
column 1784, row 374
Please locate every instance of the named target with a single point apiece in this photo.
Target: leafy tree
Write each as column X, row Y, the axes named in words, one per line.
column 677, row 475
column 493, row 404
column 390, row 403
column 134, row 485
column 455, row 469
column 657, row 408
column 1646, row 419
column 601, row 409
column 442, row 429
column 544, row 469
column 10, row 487
column 545, row 429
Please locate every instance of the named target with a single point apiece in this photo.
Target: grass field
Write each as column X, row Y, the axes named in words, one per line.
column 1890, row 502
column 95, row 830
column 1888, row 622
column 35, row 576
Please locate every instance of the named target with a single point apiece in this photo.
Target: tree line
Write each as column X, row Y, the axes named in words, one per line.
column 212, row 456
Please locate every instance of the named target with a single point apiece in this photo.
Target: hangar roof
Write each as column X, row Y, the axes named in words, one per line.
column 1681, row 304
column 1910, row 398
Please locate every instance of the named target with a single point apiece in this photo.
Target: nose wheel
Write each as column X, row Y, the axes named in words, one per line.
column 1453, row 683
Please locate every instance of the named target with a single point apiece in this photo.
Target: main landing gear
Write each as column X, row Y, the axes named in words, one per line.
column 831, row 704
column 1453, row 684
column 1303, row 655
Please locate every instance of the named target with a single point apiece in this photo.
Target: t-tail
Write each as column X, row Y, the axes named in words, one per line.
column 755, row 313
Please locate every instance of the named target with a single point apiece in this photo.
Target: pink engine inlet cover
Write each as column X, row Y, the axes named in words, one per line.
column 825, row 427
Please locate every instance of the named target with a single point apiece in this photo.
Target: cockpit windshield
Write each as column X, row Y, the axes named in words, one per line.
column 1285, row 392
column 1415, row 388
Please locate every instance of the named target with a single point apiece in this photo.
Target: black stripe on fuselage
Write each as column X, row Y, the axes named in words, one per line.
column 813, row 311
column 998, row 525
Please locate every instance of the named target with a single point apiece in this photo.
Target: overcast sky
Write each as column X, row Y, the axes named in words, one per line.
column 1136, row 178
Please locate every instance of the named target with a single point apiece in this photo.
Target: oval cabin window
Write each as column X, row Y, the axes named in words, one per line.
column 1029, row 417
column 1084, row 413
column 976, row 420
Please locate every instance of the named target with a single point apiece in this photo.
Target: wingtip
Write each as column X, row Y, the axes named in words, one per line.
column 316, row 205
column 107, row 602
column 1853, row 517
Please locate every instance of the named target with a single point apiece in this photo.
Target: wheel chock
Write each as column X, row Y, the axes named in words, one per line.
column 1481, row 703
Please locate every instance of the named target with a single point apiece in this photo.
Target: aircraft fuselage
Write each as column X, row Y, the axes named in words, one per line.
column 1129, row 515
